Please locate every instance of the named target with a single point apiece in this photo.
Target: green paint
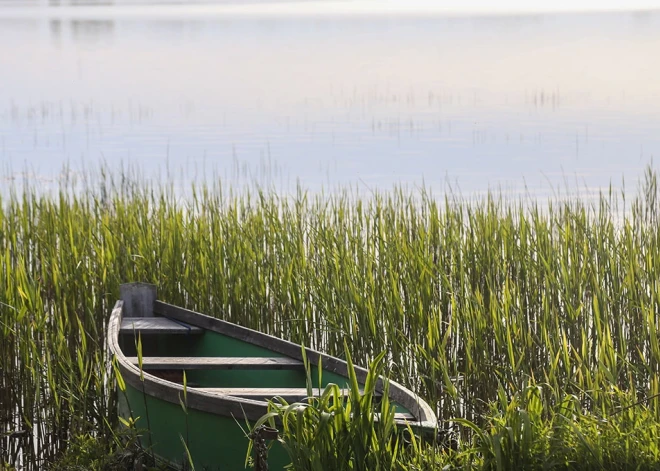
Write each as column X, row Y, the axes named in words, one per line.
column 209, row 344
column 213, row 344
column 215, row 442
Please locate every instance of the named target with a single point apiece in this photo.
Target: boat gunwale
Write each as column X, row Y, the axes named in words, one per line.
column 237, row 407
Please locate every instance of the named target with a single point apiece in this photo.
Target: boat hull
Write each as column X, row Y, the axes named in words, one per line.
column 230, row 374
column 215, row 442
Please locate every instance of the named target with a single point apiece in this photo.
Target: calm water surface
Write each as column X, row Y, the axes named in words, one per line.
column 331, row 97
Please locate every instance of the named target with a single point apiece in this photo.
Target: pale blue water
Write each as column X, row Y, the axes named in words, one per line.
column 330, row 96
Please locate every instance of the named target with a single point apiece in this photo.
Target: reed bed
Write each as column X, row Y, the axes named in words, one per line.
column 474, row 302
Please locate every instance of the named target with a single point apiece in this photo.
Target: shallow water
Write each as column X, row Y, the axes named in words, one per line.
column 274, row 94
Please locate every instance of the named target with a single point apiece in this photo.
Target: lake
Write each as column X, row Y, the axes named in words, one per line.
column 332, row 94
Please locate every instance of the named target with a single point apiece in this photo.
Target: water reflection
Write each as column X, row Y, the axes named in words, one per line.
column 91, row 30
column 56, row 30
column 18, row 25
column 336, row 100
column 91, row 2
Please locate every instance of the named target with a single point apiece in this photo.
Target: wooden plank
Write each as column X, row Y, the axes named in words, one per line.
column 156, row 325
column 404, row 416
column 288, row 394
column 261, row 394
column 218, row 363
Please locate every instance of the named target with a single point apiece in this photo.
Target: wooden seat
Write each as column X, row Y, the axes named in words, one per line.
column 288, row 394
column 259, row 394
column 404, row 416
column 156, row 325
column 218, row 363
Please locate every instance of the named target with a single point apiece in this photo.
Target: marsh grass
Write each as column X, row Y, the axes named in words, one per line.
column 472, row 302
column 338, row 431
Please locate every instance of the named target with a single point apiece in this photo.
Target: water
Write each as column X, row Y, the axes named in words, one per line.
column 332, row 94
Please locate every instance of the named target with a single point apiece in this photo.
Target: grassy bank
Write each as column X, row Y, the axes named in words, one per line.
column 534, row 332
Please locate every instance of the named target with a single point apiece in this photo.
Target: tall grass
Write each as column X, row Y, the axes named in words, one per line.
column 331, row 430
column 471, row 301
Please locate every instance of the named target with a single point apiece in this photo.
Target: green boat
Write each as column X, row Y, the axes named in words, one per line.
column 231, row 373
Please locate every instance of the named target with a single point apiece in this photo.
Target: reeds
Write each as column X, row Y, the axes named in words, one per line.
column 468, row 300
column 335, row 431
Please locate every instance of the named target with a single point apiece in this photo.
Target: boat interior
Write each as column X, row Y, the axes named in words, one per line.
column 220, row 364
